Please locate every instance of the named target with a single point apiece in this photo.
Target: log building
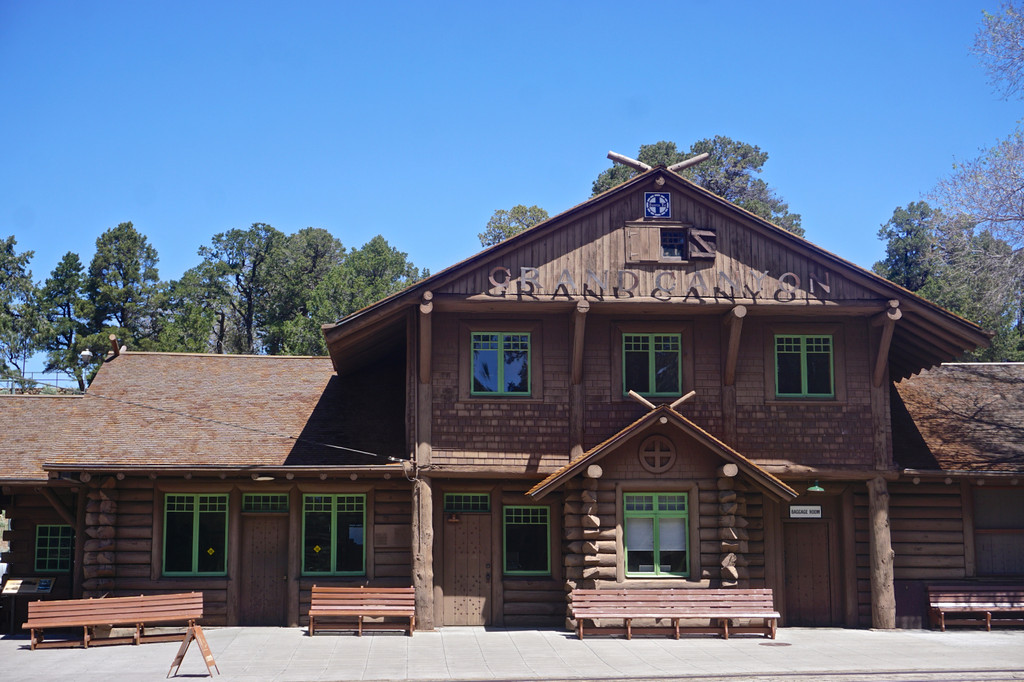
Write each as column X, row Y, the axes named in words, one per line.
column 654, row 388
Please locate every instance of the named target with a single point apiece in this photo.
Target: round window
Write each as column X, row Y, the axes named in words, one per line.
column 657, row 454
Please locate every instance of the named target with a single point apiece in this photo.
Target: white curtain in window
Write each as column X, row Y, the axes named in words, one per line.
column 640, row 534
column 672, row 535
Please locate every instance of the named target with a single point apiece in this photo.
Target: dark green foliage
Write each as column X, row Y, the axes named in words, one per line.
column 504, row 224
column 730, row 172
column 961, row 268
column 124, row 287
column 68, row 313
column 21, row 326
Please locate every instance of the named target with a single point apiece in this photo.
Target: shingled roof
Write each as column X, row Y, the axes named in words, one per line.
column 961, row 417
column 227, row 412
column 32, row 429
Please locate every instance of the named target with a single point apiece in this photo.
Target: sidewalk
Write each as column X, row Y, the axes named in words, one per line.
column 287, row 654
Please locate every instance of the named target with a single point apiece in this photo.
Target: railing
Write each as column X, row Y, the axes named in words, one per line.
column 39, row 382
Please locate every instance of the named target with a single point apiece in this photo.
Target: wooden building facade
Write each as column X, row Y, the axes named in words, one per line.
column 654, row 388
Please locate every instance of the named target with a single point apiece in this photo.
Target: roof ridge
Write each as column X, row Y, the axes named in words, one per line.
column 226, row 355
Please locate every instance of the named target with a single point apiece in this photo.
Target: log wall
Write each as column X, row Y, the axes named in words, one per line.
column 25, row 509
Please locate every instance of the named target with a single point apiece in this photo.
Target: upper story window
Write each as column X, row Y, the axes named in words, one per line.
column 673, row 244
column 501, row 363
column 195, row 534
column 804, row 366
column 652, row 364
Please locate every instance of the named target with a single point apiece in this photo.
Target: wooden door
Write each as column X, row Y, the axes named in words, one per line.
column 263, row 588
column 467, row 570
column 808, row 568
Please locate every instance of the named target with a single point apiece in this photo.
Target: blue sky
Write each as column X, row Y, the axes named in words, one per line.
column 418, row 120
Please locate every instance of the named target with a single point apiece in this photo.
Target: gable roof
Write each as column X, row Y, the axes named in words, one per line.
column 155, row 411
column 925, row 336
column 770, row 483
column 961, row 417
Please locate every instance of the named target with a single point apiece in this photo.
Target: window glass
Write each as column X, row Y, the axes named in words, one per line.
column 54, row 544
column 656, row 526
column 803, row 366
column 333, row 534
column 673, row 244
column 195, row 534
column 651, row 364
column 501, row 363
column 527, row 539
column 999, row 531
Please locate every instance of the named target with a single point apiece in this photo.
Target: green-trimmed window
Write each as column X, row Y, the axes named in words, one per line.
column 467, row 503
column 656, row 534
column 804, row 366
column 333, row 534
column 265, row 503
column 652, row 364
column 501, row 363
column 195, row 534
column 54, row 545
column 527, row 532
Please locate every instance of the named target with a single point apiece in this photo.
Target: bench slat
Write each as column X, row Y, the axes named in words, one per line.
column 715, row 605
column 136, row 611
column 328, row 603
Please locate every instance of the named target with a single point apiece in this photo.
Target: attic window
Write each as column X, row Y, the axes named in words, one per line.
column 673, row 244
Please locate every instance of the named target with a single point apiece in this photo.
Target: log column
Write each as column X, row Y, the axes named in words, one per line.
column 577, row 401
column 422, row 492
column 100, row 522
column 883, row 593
column 732, row 532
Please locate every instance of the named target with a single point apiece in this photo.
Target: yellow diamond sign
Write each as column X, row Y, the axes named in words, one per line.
column 210, row 551
column 317, row 549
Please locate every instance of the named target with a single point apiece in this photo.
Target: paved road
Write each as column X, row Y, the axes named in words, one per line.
column 287, row 654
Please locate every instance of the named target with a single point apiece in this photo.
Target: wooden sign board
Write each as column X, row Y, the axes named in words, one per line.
column 194, row 632
column 15, row 586
column 805, row 511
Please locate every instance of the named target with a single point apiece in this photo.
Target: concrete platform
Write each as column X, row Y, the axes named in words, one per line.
column 287, row 654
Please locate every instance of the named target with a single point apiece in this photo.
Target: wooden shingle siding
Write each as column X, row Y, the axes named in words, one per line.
column 597, row 241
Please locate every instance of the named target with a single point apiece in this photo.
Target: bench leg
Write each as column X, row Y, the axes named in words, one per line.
column 312, row 626
column 360, row 625
column 773, row 625
column 35, row 639
column 412, row 624
column 675, row 622
column 85, row 636
column 629, row 628
column 988, row 621
column 579, row 628
column 725, row 628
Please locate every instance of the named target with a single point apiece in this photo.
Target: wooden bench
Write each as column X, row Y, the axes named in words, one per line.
column 336, row 603
column 718, row 606
column 986, row 605
column 138, row 612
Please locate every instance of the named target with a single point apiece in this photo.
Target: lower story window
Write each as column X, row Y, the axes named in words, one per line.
column 527, row 539
column 53, row 548
column 656, row 534
column 195, row 534
column 333, row 534
column 999, row 531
